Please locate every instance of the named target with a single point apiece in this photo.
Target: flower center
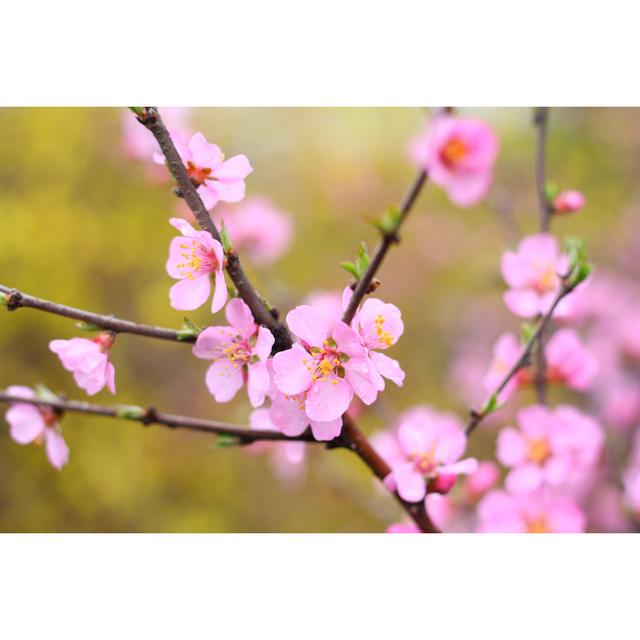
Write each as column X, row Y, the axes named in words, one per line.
column 424, row 461
column 382, row 335
column 548, row 280
column 539, row 450
column 198, row 174
column 198, row 260
column 453, row 152
column 239, row 352
column 538, row 525
column 325, row 362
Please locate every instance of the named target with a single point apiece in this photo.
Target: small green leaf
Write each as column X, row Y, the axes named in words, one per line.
column 3, row 299
column 491, row 405
column 388, row 222
column 362, row 259
column 223, row 441
column 579, row 265
column 88, row 326
column 189, row 330
column 130, row 412
column 351, row 268
column 526, row 332
column 44, row 393
column 551, row 190
column 227, row 244
column 139, row 111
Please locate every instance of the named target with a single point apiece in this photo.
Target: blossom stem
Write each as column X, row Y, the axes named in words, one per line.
column 151, row 416
column 262, row 314
column 15, row 299
column 540, row 121
column 476, row 417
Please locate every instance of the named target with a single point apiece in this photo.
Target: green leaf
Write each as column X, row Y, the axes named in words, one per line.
column 579, row 265
column 388, row 222
column 526, row 332
column 227, row 244
column 362, row 259
column 139, row 111
column 88, row 326
column 130, row 412
column 189, row 330
column 351, row 268
column 223, row 441
column 491, row 405
column 551, row 190
column 44, row 393
column 3, row 299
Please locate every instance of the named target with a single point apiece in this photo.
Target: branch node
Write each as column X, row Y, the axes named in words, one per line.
column 14, row 300
column 150, row 416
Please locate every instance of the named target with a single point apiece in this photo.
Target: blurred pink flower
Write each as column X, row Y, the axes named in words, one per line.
column 551, row 447
column 328, row 303
column 403, row 527
column 139, row 144
column 506, row 352
column 632, row 490
column 540, row 512
column 533, row 273
column 217, row 179
column 458, row 154
column 239, row 353
column 288, row 458
column 568, row 202
column 329, row 365
column 484, row 478
column 258, row 230
column 88, row 360
column 569, row 361
column 425, row 449
column 193, row 258
column 29, row 423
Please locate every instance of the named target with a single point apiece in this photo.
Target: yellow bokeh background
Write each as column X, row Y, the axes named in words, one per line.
column 83, row 225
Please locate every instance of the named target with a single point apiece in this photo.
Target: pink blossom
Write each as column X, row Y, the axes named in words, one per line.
column 88, row 360
column 551, row 447
column 458, row 154
column 506, row 353
column 239, row 353
column 327, row 366
column 632, row 489
column 568, row 202
column 426, row 449
column 138, row 143
column 217, row 179
column 569, row 361
column 328, row 303
column 403, row 527
column 193, row 258
column 258, row 230
column 38, row 424
column 534, row 274
column 540, row 512
column 287, row 458
column 485, row 477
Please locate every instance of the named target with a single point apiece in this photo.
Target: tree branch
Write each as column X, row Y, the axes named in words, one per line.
column 151, row 416
column 153, row 122
column 389, row 238
column 15, row 299
column 540, row 121
column 476, row 417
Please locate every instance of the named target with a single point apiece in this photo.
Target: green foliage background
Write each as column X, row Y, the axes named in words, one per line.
column 81, row 224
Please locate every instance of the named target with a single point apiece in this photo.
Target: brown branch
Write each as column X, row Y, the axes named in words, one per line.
column 476, row 417
column 389, row 238
column 15, row 299
column 151, row 416
column 262, row 314
column 540, row 121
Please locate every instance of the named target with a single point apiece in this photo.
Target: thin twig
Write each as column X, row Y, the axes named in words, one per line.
column 540, row 121
column 15, row 299
column 476, row 417
column 261, row 313
column 150, row 416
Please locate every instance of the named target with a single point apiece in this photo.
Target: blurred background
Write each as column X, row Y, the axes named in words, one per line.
column 84, row 223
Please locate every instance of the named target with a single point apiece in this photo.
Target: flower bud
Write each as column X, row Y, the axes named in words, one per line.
column 568, row 202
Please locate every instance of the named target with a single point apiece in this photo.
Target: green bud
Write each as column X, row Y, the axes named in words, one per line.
column 3, row 299
column 491, row 405
column 189, row 330
column 551, row 190
column 223, row 441
column 351, row 268
column 227, row 245
column 139, row 111
column 388, row 222
column 526, row 332
column 130, row 412
column 362, row 259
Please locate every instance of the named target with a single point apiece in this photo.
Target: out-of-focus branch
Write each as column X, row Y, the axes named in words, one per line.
column 150, row 416
column 540, row 121
column 151, row 119
column 476, row 417
column 14, row 299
